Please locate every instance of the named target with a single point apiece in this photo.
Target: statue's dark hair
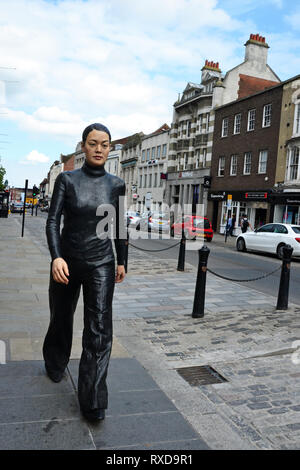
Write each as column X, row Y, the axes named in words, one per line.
column 98, row 127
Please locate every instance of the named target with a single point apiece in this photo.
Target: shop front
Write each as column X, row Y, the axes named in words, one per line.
column 255, row 205
column 287, row 208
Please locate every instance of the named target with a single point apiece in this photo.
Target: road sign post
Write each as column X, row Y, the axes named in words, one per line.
column 229, row 204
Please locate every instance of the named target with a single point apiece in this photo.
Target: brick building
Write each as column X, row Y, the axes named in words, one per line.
column 244, row 158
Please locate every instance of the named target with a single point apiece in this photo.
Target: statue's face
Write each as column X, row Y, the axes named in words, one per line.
column 96, row 147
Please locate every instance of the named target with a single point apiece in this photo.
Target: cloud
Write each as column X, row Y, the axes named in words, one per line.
column 35, row 157
column 293, row 19
column 121, row 61
column 79, row 59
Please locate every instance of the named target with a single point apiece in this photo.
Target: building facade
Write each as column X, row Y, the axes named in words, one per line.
column 286, row 192
column 152, row 169
column 55, row 169
column 192, row 129
column 244, row 159
column 130, row 156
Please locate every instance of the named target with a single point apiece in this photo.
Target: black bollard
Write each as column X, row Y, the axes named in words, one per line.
column 126, row 251
column 283, row 293
column 199, row 299
column 181, row 257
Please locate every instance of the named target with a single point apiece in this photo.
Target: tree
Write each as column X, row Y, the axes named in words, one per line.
column 2, row 173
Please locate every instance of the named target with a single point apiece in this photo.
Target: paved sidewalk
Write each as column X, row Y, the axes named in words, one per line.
column 242, row 337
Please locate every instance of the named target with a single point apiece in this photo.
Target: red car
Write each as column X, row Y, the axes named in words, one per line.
column 194, row 226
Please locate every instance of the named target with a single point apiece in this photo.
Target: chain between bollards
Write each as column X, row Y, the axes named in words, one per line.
column 199, row 299
column 283, row 293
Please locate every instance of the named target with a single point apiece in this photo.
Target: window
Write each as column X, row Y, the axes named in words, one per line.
column 294, row 163
column 225, row 127
column 155, row 180
column 297, row 123
column 150, row 181
column 143, row 155
column 164, row 150
column 237, row 124
column 267, row 115
column 148, row 155
column 247, row 163
column 153, row 153
column 269, row 228
column 197, row 164
column 280, row 229
column 233, row 165
column 189, row 125
column 251, row 120
column 207, row 122
column 145, row 181
column 204, row 157
column 185, row 161
column 262, row 164
column 141, row 180
column 158, row 151
column 160, row 170
column 221, row 170
column 200, row 123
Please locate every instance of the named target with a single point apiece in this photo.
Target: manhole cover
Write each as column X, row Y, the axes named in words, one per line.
column 201, row 375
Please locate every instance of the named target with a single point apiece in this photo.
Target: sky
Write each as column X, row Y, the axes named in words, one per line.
column 67, row 63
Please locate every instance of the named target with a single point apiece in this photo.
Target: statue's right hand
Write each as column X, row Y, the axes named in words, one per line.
column 60, row 271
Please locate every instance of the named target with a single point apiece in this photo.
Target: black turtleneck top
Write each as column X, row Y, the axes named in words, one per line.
column 77, row 195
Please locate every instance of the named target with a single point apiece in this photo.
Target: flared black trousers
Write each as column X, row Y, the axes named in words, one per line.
column 98, row 283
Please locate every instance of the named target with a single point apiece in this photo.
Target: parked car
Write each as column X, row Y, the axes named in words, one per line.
column 155, row 221
column 194, row 226
column 45, row 208
column 132, row 219
column 271, row 238
column 17, row 207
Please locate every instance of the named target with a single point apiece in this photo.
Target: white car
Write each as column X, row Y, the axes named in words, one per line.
column 271, row 238
column 132, row 218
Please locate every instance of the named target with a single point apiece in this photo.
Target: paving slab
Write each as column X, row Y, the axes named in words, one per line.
column 150, row 405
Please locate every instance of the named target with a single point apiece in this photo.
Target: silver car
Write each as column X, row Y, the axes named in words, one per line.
column 155, row 221
column 132, row 219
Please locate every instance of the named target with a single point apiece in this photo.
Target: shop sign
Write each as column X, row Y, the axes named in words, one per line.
column 185, row 174
column 256, row 195
column 216, row 196
column 293, row 201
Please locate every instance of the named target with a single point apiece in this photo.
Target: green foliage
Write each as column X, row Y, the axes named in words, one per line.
column 2, row 173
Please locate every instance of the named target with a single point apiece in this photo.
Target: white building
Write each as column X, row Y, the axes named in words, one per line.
column 152, row 170
column 191, row 136
column 55, row 169
column 130, row 155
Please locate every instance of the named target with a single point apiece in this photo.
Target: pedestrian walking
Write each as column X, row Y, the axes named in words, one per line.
column 83, row 257
column 229, row 226
column 232, row 226
column 245, row 224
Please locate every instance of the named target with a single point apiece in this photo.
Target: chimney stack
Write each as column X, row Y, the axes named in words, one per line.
column 256, row 49
column 211, row 66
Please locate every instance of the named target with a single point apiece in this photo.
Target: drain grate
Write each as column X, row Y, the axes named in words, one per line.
column 200, row 375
